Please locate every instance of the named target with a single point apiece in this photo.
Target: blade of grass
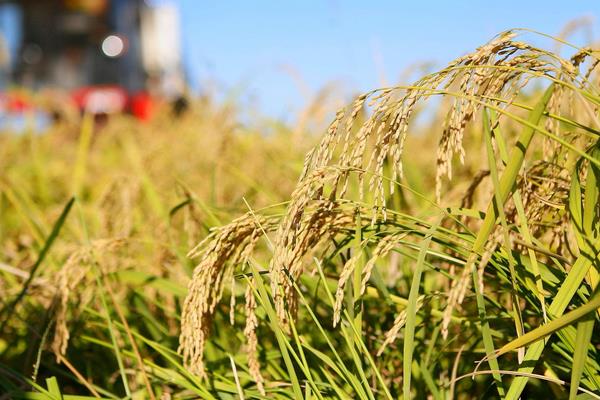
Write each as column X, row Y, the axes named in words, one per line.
column 508, row 178
column 556, row 308
column 523, row 225
column 355, row 309
column 83, row 149
column 358, row 388
column 11, row 308
column 53, row 388
column 517, row 317
column 488, row 342
column 112, row 334
column 369, row 359
column 437, row 395
column 29, row 217
column 280, row 336
column 547, row 329
column 511, row 171
column 411, row 312
column 353, row 346
column 237, row 378
column 591, row 223
column 580, row 354
column 305, row 367
column 137, row 163
column 527, row 375
column 168, row 354
column 576, row 275
column 78, row 375
column 127, row 329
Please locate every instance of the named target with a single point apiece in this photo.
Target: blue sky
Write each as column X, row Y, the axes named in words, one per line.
column 251, row 46
column 258, row 51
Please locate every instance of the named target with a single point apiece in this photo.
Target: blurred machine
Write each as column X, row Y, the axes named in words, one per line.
column 110, row 55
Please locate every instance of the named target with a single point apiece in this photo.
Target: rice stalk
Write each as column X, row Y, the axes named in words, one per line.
column 523, row 199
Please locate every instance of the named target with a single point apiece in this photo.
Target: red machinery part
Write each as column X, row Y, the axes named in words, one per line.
column 15, row 103
column 142, row 106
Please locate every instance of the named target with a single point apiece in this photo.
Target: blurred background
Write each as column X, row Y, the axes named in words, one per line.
column 115, row 56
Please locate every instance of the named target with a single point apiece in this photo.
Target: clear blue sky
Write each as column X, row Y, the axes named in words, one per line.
column 245, row 45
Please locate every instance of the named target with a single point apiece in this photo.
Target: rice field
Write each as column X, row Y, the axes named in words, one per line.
column 437, row 240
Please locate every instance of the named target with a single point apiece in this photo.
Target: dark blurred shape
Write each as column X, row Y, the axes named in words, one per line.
column 32, row 54
column 180, row 106
column 95, row 49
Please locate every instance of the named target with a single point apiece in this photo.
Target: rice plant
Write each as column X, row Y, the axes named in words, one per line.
column 500, row 276
column 453, row 259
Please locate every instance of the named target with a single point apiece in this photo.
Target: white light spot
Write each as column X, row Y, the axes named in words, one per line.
column 113, row 46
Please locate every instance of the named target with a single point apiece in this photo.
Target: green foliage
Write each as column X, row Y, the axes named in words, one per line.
column 497, row 281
